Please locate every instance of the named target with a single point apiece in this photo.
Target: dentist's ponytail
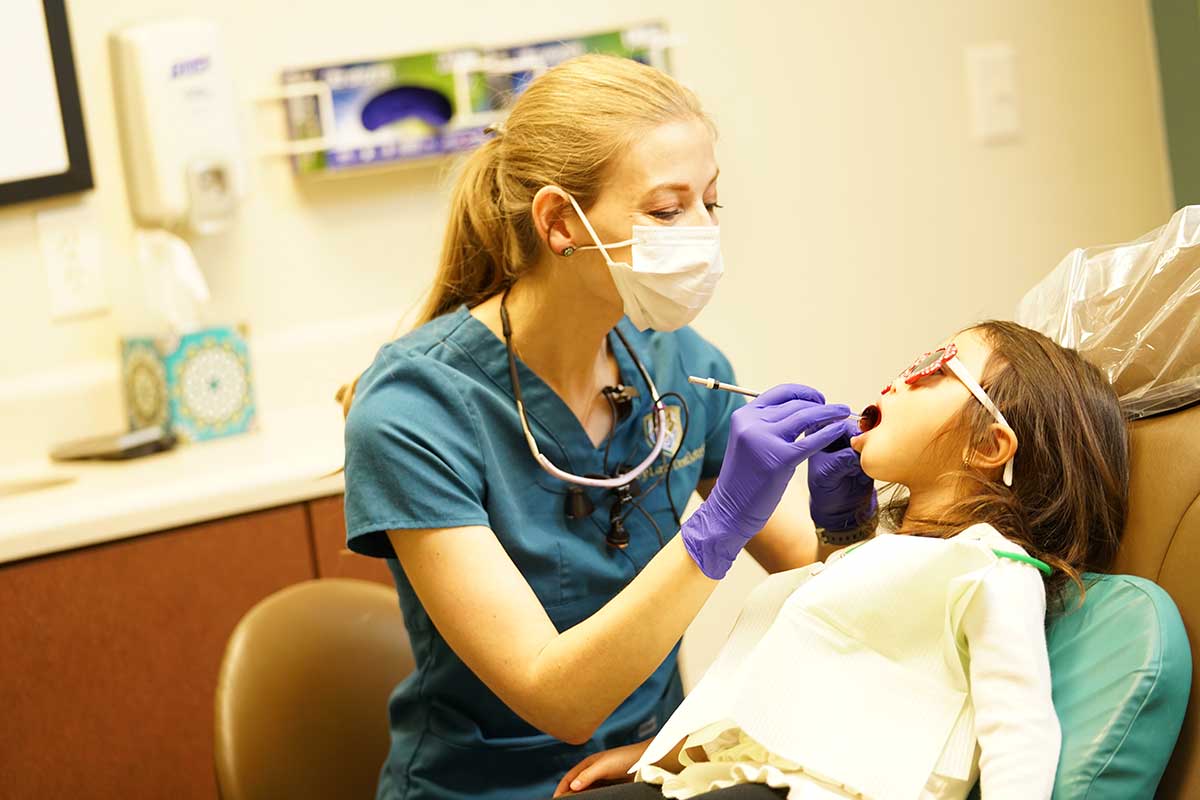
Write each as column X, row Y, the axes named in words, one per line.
column 566, row 129
column 480, row 250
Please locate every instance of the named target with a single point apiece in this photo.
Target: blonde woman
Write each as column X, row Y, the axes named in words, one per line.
column 521, row 457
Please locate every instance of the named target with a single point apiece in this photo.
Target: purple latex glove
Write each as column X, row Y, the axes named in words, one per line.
column 841, row 495
column 760, row 459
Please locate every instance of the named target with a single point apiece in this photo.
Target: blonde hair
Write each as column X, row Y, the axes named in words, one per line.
column 566, row 129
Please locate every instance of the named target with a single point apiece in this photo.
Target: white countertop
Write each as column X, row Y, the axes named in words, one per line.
column 286, row 460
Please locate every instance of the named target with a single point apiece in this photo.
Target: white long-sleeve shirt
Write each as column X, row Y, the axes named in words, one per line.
column 1015, row 722
column 917, row 666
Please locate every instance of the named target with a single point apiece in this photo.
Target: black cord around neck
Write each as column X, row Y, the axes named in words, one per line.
column 634, row 504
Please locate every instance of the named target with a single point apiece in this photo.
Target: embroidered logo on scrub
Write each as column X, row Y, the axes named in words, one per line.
column 674, row 430
column 647, row 727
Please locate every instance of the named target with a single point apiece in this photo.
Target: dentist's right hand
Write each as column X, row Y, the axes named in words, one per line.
column 760, row 459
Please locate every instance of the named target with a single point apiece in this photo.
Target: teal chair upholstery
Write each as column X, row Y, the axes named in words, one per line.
column 1121, row 669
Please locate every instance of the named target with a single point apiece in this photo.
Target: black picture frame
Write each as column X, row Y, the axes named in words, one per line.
column 78, row 176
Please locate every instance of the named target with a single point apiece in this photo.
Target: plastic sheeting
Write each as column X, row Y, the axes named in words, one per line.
column 1134, row 311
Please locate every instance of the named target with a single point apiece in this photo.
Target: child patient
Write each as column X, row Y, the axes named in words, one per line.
column 914, row 664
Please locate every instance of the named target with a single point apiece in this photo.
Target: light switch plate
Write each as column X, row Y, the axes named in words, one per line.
column 70, row 242
column 992, row 92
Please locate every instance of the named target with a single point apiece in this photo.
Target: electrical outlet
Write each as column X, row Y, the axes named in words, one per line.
column 71, row 252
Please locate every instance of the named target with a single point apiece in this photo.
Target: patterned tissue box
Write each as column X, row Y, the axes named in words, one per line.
column 198, row 385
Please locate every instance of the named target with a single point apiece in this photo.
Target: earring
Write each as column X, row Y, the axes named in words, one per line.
column 568, row 250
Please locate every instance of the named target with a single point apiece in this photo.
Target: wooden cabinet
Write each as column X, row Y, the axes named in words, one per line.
column 328, row 518
column 110, row 654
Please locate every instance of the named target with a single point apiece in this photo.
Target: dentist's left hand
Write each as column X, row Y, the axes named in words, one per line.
column 760, row 459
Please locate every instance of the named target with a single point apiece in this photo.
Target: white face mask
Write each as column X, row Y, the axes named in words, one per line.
column 674, row 272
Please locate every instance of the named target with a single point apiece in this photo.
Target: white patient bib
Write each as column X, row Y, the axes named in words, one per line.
column 856, row 669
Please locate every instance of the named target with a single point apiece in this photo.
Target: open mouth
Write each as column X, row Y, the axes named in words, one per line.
column 870, row 418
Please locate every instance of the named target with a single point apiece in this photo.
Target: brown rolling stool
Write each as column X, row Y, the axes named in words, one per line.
column 301, row 701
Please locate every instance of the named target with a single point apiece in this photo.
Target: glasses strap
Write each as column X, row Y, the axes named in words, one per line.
column 963, row 374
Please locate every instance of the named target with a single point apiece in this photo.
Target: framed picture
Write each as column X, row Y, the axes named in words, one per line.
column 43, row 149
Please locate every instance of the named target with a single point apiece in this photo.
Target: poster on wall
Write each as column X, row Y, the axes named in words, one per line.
column 365, row 115
column 46, row 154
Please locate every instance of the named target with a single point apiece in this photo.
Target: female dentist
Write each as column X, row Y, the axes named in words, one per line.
column 520, row 458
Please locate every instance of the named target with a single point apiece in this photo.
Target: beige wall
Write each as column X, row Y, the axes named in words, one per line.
column 861, row 221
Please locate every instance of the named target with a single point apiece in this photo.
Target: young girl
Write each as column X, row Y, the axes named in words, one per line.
column 914, row 664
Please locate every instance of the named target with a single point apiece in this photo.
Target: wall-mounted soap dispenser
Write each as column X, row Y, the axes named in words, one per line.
column 178, row 118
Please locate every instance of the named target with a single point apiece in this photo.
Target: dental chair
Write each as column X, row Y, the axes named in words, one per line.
column 1121, row 666
column 1162, row 544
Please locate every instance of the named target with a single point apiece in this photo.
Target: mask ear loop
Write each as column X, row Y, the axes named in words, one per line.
column 963, row 374
column 603, row 248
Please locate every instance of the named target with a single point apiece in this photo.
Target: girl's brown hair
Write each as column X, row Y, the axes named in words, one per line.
column 1070, row 487
column 566, row 129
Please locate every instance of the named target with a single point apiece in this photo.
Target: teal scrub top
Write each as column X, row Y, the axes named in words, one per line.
column 433, row 440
